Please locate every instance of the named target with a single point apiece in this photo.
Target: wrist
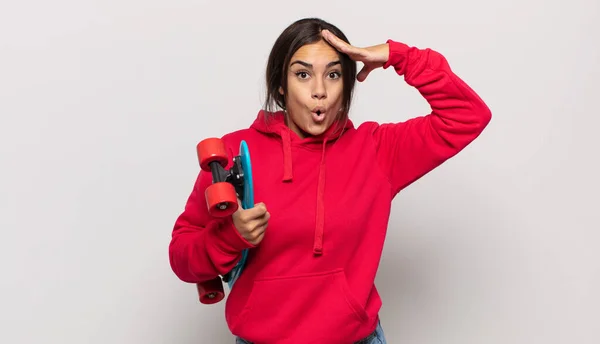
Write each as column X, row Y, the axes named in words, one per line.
column 396, row 54
column 228, row 239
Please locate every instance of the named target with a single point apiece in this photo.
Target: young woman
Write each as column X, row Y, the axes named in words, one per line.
column 323, row 188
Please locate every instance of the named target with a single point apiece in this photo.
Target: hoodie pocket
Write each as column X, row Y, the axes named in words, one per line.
column 280, row 307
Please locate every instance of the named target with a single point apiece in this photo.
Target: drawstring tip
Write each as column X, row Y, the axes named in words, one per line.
column 318, row 251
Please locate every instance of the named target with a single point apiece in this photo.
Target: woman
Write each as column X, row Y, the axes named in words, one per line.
column 323, row 188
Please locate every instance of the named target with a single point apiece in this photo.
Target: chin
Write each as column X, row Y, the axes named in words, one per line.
column 316, row 129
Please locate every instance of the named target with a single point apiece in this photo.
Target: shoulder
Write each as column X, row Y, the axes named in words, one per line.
column 237, row 135
column 376, row 133
column 233, row 140
column 367, row 128
column 361, row 136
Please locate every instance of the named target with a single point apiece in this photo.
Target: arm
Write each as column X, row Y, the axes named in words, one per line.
column 408, row 150
column 203, row 247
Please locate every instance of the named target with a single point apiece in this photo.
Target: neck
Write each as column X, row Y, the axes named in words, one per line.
column 294, row 128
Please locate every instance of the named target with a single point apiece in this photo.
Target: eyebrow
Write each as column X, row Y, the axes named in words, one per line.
column 308, row 65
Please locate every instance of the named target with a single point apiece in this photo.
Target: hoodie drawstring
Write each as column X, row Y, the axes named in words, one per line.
column 288, row 176
column 287, row 155
column 318, row 243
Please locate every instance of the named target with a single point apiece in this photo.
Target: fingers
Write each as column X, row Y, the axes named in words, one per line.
column 259, row 221
column 247, row 215
column 264, row 218
column 256, row 237
column 255, row 212
column 256, row 230
column 364, row 72
column 252, row 223
column 334, row 40
column 340, row 45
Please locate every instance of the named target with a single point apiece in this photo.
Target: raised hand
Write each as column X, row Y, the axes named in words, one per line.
column 372, row 57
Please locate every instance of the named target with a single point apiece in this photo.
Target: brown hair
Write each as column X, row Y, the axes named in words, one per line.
column 302, row 32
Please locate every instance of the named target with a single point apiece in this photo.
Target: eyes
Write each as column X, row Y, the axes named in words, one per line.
column 303, row 75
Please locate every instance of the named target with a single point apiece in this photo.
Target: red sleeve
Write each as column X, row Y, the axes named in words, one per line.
column 408, row 150
column 203, row 247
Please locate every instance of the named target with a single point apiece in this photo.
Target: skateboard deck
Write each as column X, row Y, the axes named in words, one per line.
column 221, row 200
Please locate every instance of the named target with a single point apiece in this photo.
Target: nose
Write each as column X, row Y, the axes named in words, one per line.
column 319, row 91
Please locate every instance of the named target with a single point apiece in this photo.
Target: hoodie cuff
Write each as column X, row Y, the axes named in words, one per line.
column 397, row 55
column 227, row 239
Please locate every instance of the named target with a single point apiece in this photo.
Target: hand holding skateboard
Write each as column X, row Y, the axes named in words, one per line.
column 252, row 223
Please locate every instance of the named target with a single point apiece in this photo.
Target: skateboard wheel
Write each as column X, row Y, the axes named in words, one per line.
column 210, row 150
column 221, row 199
column 210, row 292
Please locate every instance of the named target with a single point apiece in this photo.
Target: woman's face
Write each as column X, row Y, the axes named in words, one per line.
column 315, row 88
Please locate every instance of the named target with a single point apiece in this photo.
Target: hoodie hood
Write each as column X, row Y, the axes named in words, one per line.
column 274, row 124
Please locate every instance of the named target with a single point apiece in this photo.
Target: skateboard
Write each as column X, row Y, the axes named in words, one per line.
column 222, row 200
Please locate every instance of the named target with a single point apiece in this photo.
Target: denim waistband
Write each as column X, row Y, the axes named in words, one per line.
column 366, row 340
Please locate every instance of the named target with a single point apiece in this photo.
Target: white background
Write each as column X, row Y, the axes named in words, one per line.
column 102, row 103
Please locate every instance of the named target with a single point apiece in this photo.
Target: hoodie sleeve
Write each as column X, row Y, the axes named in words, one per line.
column 408, row 150
column 203, row 247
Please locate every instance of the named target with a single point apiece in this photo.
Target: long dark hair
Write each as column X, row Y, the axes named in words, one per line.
column 302, row 32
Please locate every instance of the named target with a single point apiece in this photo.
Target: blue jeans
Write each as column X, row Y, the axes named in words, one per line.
column 377, row 337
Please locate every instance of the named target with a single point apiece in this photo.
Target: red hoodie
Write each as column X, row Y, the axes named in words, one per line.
column 311, row 279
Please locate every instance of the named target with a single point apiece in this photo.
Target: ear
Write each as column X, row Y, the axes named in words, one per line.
column 280, row 90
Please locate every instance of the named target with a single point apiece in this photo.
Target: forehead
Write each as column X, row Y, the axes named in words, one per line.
column 319, row 53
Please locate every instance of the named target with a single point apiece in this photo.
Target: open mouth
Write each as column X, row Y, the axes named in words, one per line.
column 318, row 114
column 319, row 110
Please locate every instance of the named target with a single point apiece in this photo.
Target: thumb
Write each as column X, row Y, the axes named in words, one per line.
column 364, row 72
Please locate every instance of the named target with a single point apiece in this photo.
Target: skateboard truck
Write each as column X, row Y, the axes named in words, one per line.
column 234, row 176
column 222, row 195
